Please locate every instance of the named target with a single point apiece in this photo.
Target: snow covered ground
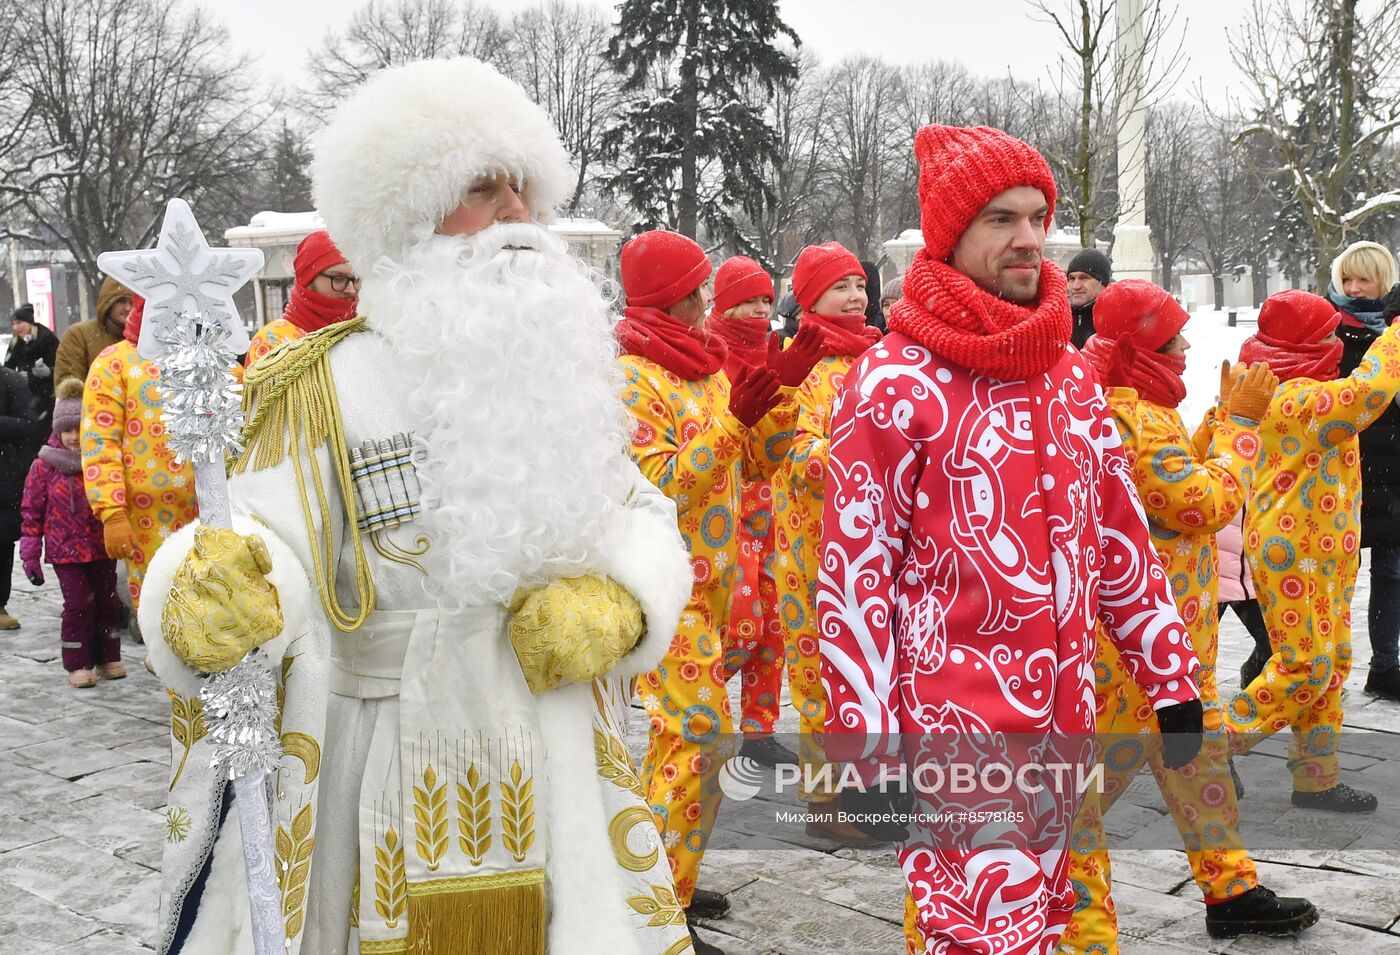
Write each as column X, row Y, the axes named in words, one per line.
column 1212, row 341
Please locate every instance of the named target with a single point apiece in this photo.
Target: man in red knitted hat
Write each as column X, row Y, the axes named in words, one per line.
column 699, row 435
column 980, row 520
column 326, row 291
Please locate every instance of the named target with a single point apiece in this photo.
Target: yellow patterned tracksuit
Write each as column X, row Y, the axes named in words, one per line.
column 127, row 464
column 799, row 493
column 1301, row 536
column 276, row 332
column 754, row 626
column 688, row 444
column 1190, row 488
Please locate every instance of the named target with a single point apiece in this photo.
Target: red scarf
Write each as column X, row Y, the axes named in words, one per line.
column 746, row 339
column 1320, row 361
column 132, row 331
column 686, row 352
column 1121, row 364
column 951, row 316
column 311, row 311
column 842, row 334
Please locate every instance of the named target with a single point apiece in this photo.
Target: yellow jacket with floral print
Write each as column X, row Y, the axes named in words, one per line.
column 798, row 494
column 1304, row 512
column 688, row 444
column 274, row 333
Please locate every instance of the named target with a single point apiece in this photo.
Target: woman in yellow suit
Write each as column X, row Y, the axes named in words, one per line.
column 697, row 438
column 1302, row 533
column 1188, row 494
column 829, row 285
column 137, row 489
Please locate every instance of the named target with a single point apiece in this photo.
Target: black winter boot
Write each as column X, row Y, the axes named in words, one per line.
column 1259, row 912
column 1340, row 798
column 705, row 904
column 768, row 752
column 1384, row 684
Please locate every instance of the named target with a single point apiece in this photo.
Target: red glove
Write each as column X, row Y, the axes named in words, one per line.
column 753, row 395
column 794, row 364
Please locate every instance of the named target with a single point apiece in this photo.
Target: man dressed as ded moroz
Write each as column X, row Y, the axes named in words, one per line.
column 437, row 505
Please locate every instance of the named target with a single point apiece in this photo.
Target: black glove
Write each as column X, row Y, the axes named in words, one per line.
column 862, row 806
column 1182, row 725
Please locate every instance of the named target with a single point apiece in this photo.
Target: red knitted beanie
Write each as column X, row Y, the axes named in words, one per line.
column 315, row 254
column 961, row 169
column 1139, row 310
column 660, row 268
column 1295, row 316
column 818, row 268
column 738, row 280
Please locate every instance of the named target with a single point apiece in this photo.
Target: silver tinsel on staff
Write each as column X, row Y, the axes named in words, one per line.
column 192, row 332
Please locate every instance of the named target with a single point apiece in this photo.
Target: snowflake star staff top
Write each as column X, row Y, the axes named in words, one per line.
column 191, row 329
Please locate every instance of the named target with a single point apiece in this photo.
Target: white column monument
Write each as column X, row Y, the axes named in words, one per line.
column 1132, row 239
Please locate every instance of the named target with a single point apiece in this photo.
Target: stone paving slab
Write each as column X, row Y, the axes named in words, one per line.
column 83, row 782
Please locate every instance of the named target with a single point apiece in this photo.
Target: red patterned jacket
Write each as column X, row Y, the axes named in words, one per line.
column 974, row 531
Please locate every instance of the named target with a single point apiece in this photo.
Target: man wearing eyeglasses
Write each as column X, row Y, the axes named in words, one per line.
column 327, row 291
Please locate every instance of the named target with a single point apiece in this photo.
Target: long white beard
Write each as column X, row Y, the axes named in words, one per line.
column 508, row 361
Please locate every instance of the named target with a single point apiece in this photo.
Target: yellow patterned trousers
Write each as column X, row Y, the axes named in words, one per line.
column 692, row 730
column 1309, row 619
column 1200, row 796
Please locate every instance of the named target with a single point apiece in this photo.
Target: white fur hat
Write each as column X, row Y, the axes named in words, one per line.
column 398, row 156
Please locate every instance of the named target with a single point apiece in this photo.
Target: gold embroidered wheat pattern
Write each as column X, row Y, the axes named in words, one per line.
column 614, row 764
column 661, row 907
column 355, row 903
column 293, row 866
column 186, row 726
column 474, row 816
column 430, row 813
column 517, row 813
column 390, row 883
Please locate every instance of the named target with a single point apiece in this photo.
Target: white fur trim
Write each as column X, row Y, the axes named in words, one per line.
column 398, row 155
column 293, row 589
column 219, row 926
column 585, row 894
column 649, row 558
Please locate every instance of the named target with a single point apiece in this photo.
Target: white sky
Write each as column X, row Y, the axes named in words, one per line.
column 989, row 36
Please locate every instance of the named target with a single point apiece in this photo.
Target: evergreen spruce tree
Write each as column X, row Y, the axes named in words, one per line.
column 691, row 144
column 288, row 184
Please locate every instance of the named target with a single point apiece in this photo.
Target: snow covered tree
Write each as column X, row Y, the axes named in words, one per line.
column 390, row 32
column 287, row 185
column 1093, row 87
column 1324, row 81
column 134, row 102
column 557, row 52
column 1224, row 190
column 693, row 143
column 1173, row 183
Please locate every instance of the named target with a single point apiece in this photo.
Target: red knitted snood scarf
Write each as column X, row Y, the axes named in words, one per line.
column 953, row 317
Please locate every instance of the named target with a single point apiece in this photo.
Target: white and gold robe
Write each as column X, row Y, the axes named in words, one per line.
column 421, row 775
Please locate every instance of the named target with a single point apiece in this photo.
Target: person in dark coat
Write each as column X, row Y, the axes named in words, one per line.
column 1087, row 274
column 33, row 351
column 1361, row 276
column 874, row 314
column 20, row 433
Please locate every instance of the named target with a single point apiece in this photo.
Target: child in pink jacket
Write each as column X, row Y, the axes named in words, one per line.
column 58, row 523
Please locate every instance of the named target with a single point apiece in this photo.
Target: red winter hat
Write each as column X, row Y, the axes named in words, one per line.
column 1296, row 317
column 818, row 268
column 660, row 268
column 738, row 280
column 315, row 254
column 1137, row 309
column 961, row 169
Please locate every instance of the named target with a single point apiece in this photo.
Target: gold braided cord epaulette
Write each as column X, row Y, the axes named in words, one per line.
column 290, row 399
column 279, row 383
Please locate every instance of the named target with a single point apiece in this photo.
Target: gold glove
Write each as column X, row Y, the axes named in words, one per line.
column 573, row 629
column 221, row 605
